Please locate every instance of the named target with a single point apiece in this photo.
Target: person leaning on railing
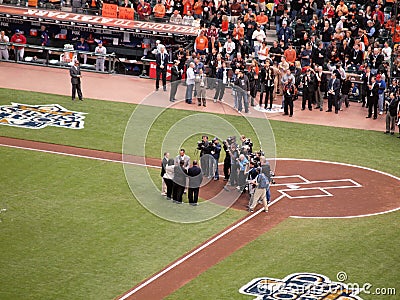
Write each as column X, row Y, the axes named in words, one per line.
column 4, row 47
column 19, row 38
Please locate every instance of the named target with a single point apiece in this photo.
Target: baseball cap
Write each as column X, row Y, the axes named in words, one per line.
column 17, row 31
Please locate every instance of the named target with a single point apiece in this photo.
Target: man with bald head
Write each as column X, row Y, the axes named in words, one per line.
column 190, row 80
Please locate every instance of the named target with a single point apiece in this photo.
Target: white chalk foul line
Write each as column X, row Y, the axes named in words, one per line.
column 194, row 252
column 80, row 156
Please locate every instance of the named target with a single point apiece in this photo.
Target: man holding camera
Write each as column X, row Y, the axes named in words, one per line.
column 227, row 160
column 233, row 178
column 242, row 164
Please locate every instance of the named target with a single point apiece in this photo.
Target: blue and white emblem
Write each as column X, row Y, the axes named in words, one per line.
column 300, row 286
column 40, row 116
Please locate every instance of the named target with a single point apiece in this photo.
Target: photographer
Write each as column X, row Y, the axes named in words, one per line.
column 215, row 152
column 251, row 175
column 233, row 179
column 247, row 145
column 242, row 165
column 227, row 160
column 205, row 156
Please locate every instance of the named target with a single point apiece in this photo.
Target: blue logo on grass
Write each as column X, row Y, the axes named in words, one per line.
column 301, row 286
column 40, row 116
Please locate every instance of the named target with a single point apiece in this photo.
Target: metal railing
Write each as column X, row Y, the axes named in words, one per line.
column 56, row 57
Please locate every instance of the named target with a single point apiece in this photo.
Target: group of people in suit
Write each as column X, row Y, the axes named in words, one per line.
column 177, row 175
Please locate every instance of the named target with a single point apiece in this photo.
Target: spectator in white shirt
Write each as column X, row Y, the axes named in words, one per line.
column 229, row 48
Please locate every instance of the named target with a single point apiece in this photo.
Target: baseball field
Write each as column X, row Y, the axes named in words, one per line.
column 71, row 227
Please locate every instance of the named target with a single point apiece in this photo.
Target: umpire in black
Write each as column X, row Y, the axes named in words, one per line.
column 161, row 68
column 75, row 73
column 195, row 179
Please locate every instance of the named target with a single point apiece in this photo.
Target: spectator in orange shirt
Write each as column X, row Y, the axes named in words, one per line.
column 187, row 6
column 159, row 10
column 198, row 9
column 238, row 31
column 225, row 25
column 262, row 20
column 201, row 44
column 290, row 54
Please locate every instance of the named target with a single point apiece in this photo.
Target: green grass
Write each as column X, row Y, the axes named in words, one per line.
column 106, row 121
column 73, row 230
column 104, row 124
column 366, row 249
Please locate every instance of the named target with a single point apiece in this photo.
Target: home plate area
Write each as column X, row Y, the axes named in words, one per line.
column 298, row 187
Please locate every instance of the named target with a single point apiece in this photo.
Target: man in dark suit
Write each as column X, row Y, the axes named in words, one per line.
column 195, row 179
column 176, row 75
column 320, row 77
column 372, row 98
column 333, row 93
column 375, row 60
column 161, row 68
column 180, row 174
column 366, row 79
column 309, row 84
column 356, row 56
column 221, row 82
column 75, row 73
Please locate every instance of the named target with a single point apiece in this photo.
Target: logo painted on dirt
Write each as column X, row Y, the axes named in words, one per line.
column 40, row 116
column 301, row 286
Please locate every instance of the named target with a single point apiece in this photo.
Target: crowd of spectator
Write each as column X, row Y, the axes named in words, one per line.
column 358, row 41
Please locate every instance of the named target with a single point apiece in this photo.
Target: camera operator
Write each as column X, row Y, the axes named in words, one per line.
column 246, row 144
column 227, row 160
column 215, row 152
column 242, row 165
column 205, row 156
column 255, row 157
column 251, row 175
column 233, row 178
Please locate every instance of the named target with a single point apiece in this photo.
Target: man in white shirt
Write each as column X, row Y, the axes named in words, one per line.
column 258, row 37
column 386, row 52
column 190, row 76
column 4, row 48
column 188, row 19
column 100, row 52
column 229, row 48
